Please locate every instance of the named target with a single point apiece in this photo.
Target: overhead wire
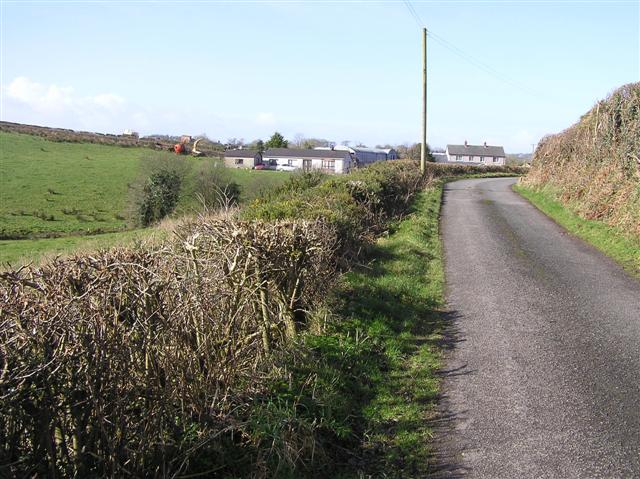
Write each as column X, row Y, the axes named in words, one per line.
column 413, row 13
column 468, row 57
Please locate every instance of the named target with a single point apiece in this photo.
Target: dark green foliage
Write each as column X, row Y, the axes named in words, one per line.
column 159, row 197
column 276, row 141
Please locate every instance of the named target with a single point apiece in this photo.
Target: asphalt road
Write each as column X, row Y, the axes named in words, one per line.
column 543, row 376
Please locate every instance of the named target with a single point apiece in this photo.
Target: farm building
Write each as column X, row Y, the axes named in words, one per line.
column 332, row 161
column 475, row 154
column 364, row 156
column 242, row 158
column 440, row 157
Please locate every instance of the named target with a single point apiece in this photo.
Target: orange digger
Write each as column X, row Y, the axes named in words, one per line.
column 182, row 148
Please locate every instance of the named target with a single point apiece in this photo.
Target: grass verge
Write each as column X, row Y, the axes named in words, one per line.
column 611, row 241
column 396, row 302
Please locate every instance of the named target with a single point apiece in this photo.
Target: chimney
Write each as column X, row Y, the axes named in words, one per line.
column 485, row 144
column 465, row 143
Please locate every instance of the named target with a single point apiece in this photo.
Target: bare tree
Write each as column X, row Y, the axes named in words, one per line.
column 298, row 140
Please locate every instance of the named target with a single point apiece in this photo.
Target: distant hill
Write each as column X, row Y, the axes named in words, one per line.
column 594, row 166
column 157, row 142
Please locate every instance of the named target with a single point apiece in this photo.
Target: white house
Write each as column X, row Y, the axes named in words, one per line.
column 476, row 154
column 331, row 161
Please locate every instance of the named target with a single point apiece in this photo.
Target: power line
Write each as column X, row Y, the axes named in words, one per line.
column 413, row 13
column 468, row 57
column 482, row 65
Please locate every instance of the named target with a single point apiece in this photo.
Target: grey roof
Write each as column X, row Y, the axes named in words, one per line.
column 240, row 153
column 300, row 153
column 364, row 149
column 476, row 150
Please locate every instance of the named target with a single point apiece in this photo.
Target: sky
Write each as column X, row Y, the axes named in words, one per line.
column 507, row 73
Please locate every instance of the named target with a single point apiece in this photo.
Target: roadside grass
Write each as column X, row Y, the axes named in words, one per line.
column 624, row 249
column 396, row 302
column 50, row 189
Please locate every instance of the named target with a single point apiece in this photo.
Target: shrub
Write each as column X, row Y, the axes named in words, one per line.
column 159, row 197
column 214, row 187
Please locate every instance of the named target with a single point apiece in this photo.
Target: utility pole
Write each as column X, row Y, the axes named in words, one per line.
column 423, row 150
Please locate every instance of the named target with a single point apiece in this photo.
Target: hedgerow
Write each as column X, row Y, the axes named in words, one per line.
column 594, row 166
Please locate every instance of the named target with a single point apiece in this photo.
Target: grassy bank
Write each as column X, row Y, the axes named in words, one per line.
column 397, row 301
column 611, row 241
column 593, row 165
column 364, row 376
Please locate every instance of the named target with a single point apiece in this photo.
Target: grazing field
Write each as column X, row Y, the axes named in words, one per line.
column 53, row 189
column 58, row 189
column 57, row 197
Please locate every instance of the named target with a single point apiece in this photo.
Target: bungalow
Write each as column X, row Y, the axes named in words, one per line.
column 475, row 154
column 242, row 158
column 331, row 161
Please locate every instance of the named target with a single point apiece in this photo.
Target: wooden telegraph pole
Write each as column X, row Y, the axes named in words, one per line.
column 423, row 150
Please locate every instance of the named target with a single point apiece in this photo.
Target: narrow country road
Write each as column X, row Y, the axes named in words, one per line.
column 543, row 376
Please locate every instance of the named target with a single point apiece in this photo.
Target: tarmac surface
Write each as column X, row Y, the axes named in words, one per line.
column 542, row 378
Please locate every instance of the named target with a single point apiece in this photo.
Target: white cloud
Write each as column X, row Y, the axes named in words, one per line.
column 59, row 99
column 27, row 101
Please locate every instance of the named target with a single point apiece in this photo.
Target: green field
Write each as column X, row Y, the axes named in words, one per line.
column 18, row 252
column 65, row 192
column 51, row 188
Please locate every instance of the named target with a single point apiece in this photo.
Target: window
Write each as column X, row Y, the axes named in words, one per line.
column 458, row 158
column 496, row 159
column 328, row 164
column 239, row 161
column 290, row 162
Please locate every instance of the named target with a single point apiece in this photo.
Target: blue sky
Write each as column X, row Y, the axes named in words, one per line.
column 336, row 70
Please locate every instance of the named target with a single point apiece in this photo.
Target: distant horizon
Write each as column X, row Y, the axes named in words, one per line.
column 433, row 148
column 341, row 71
